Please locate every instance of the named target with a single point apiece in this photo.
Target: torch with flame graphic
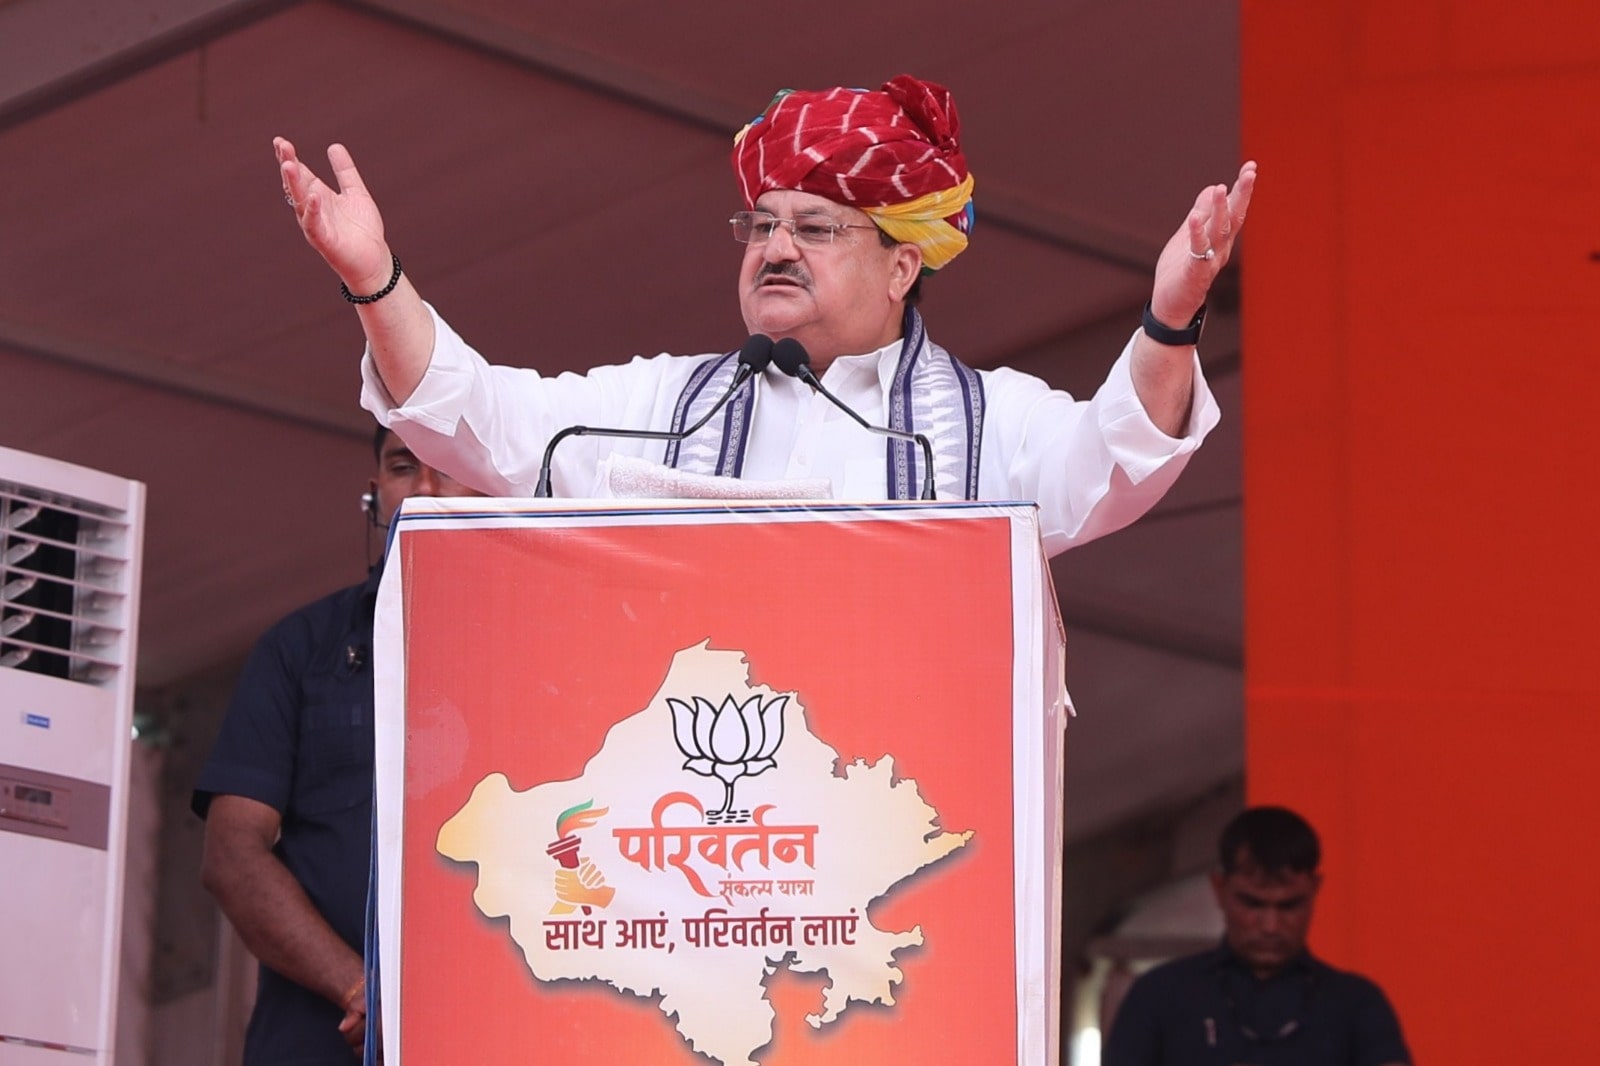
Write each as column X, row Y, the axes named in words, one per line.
column 585, row 878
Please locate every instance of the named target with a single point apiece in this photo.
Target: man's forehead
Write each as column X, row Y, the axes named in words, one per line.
column 394, row 447
column 1260, row 881
column 793, row 202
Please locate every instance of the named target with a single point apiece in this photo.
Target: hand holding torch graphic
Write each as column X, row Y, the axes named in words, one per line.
column 579, row 882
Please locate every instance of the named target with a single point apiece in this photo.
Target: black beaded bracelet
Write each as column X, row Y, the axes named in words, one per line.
column 394, row 279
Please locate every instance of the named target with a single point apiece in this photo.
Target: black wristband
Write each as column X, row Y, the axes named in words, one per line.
column 1161, row 334
column 394, row 279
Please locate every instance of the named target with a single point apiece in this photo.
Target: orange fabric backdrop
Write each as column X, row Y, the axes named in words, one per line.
column 1421, row 372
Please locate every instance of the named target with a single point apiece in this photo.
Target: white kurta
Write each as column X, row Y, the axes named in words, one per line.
column 1093, row 466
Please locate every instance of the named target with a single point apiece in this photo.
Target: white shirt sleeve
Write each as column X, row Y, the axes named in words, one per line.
column 488, row 425
column 1093, row 466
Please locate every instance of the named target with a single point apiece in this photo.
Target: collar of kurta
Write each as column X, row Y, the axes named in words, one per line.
column 929, row 392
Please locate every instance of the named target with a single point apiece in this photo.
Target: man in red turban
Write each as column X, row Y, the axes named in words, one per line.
column 893, row 153
column 850, row 196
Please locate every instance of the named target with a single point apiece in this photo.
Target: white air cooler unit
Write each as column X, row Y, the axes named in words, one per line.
column 70, row 550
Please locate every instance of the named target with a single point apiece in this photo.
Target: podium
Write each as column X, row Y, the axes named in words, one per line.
column 741, row 783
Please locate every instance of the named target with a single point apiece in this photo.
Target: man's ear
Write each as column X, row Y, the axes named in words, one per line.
column 1217, row 885
column 906, row 264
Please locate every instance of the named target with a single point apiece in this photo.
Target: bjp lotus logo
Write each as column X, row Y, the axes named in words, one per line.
column 728, row 742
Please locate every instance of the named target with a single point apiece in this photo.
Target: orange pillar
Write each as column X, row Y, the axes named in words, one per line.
column 1422, row 499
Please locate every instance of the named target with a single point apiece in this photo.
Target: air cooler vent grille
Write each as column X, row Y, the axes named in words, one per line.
column 63, row 585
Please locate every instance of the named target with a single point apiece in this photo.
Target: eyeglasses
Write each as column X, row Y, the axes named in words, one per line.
column 757, row 227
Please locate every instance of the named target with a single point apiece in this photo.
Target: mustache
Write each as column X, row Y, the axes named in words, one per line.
column 784, row 269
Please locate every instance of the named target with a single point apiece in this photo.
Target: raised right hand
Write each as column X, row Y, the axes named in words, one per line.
column 344, row 226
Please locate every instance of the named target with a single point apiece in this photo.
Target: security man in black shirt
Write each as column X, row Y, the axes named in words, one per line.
column 287, row 798
column 1261, row 998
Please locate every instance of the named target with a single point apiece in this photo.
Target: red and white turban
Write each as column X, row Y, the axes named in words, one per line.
column 891, row 153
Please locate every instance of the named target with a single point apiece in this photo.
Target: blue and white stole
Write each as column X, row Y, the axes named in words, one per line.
column 932, row 393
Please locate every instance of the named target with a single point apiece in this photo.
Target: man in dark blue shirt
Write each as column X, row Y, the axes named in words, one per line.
column 287, row 798
column 1261, row 998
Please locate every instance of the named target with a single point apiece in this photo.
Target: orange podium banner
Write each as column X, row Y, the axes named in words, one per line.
column 742, row 783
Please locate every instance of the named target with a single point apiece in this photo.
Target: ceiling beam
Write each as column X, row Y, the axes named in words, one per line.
column 55, row 51
column 1000, row 208
column 194, row 382
column 590, row 72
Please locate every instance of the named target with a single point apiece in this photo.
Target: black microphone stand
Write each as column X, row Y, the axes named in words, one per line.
column 754, row 355
column 792, row 358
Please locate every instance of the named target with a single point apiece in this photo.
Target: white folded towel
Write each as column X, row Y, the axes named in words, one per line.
column 628, row 477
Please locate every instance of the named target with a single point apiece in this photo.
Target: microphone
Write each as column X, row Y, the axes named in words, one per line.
column 754, row 355
column 791, row 357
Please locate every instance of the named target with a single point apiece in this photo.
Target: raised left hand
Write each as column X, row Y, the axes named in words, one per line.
column 1200, row 249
